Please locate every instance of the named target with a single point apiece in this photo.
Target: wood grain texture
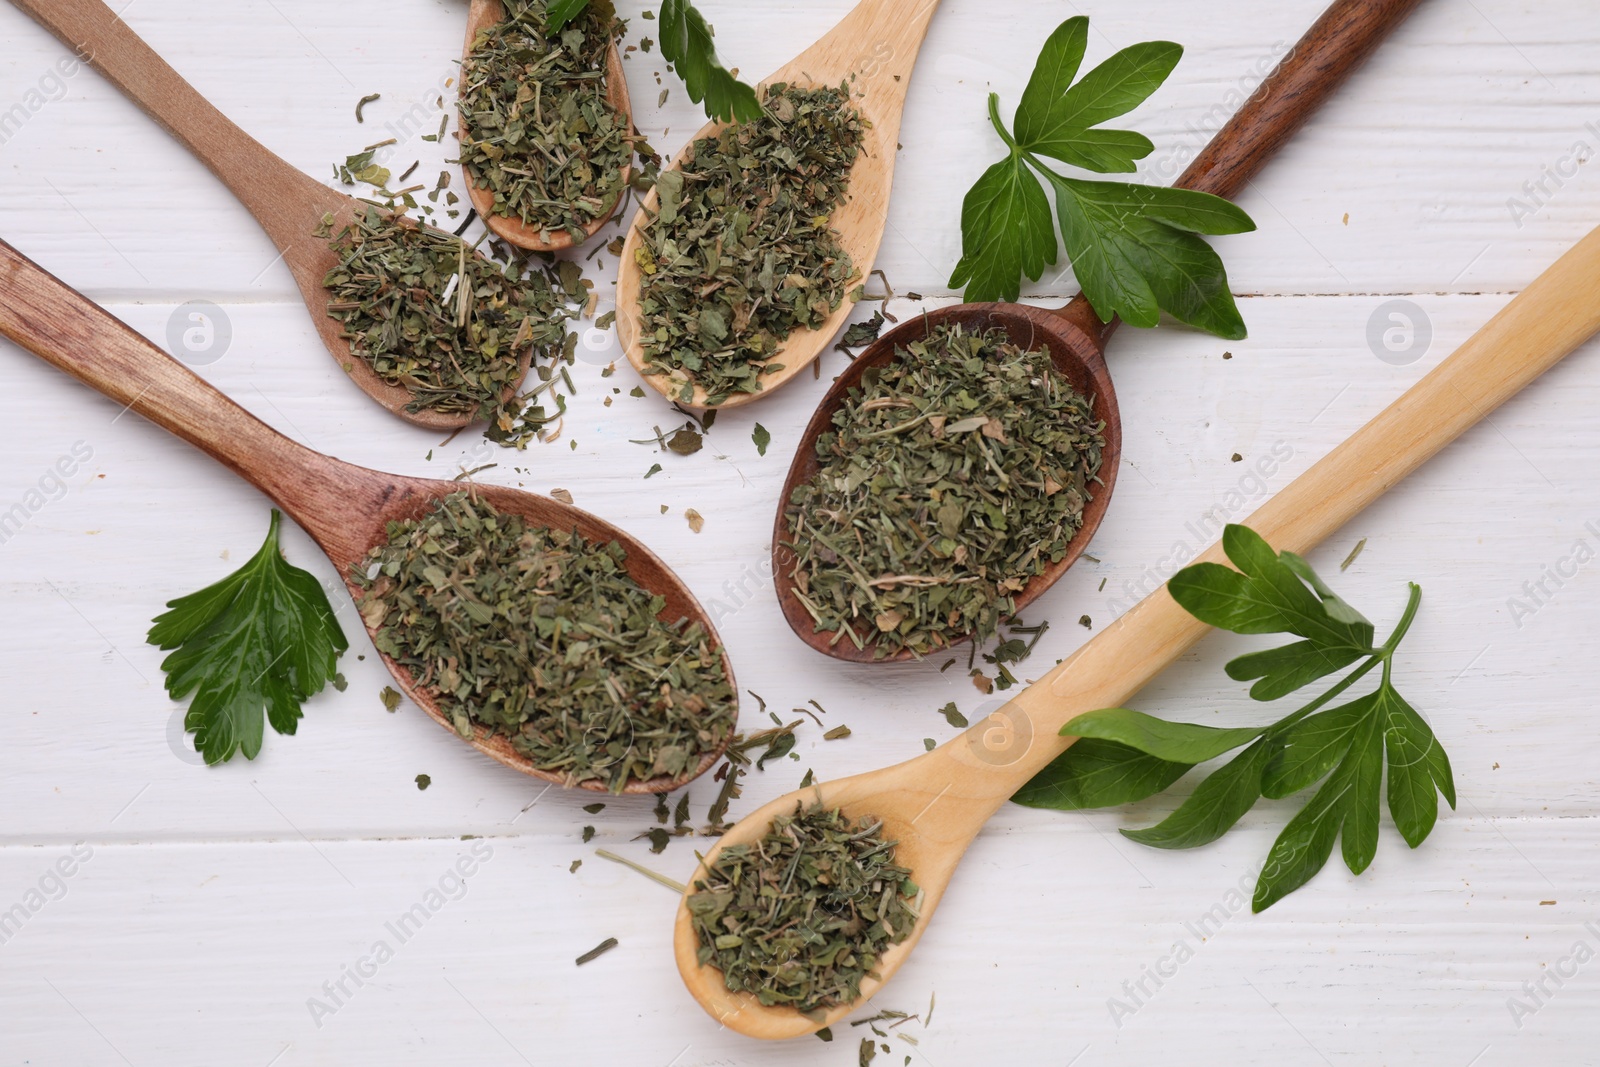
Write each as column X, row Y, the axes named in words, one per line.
column 873, row 50
column 210, row 915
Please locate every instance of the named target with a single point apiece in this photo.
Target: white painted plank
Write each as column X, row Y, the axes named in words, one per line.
column 217, row 902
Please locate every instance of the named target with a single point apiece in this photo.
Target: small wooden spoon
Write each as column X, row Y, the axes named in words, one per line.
column 343, row 507
column 1346, row 34
column 480, row 16
column 935, row 805
column 288, row 204
column 874, row 48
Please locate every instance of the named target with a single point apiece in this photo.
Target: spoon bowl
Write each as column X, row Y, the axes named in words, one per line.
column 480, row 16
column 287, row 203
column 1075, row 340
column 1335, row 45
column 343, row 507
column 873, row 49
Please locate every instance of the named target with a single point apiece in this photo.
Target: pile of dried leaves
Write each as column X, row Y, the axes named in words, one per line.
column 950, row 477
column 536, row 128
column 542, row 636
column 741, row 252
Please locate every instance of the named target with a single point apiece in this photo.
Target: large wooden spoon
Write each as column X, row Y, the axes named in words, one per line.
column 343, row 507
column 480, row 16
column 287, row 203
column 935, row 805
column 873, row 48
column 1346, row 34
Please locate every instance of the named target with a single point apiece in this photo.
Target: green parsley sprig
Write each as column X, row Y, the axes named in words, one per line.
column 686, row 43
column 1125, row 755
column 263, row 638
column 1135, row 249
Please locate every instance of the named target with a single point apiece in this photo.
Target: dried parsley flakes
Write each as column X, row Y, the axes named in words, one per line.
column 542, row 636
column 428, row 314
column 950, row 477
column 741, row 252
column 802, row 916
column 536, row 127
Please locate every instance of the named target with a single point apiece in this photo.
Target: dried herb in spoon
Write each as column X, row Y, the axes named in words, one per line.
column 741, row 252
column 536, row 128
column 951, row 476
column 802, row 916
column 541, row 635
column 428, row 314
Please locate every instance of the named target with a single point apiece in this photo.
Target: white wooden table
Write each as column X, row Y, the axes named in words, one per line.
column 209, row 911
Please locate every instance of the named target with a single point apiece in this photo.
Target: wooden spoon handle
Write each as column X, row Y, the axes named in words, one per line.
column 1328, row 53
column 1336, row 44
column 274, row 192
column 65, row 329
column 1550, row 318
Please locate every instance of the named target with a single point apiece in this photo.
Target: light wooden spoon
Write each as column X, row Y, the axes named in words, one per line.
column 935, row 805
column 343, row 507
column 287, row 203
column 480, row 16
column 874, row 48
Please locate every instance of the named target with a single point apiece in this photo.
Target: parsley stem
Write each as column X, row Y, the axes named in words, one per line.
column 999, row 126
column 1381, row 655
column 1351, row 679
column 1404, row 624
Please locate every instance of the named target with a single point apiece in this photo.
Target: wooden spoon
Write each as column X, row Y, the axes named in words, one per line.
column 1346, row 34
column 343, row 507
column 935, row 805
column 288, row 204
column 874, row 48
column 480, row 16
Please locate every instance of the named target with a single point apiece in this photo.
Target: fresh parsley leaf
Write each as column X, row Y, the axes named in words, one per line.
column 1098, row 774
column 686, row 43
column 1215, row 805
column 560, row 12
column 1006, row 232
column 263, row 638
column 1135, row 249
column 1055, row 117
column 1346, row 747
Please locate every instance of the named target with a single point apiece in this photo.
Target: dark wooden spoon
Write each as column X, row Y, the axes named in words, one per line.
column 481, row 15
column 343, row 507
column 287, row 203
column 1346, row 34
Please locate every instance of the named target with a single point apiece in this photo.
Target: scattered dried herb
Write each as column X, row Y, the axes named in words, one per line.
column 801, row 916
column 541, row 635
column 950, row 477
column 536, row 128
column 599, row 950
column 740, row 252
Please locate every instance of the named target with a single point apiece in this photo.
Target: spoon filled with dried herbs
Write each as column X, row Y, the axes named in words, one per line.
column 546, row 124
column 956, row 469
column 541, row 635
column 748, row 255
column 424, row 324
column 807, row 906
